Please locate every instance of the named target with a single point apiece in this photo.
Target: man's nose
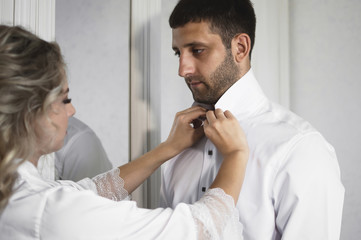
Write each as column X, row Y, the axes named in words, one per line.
column 186, row 66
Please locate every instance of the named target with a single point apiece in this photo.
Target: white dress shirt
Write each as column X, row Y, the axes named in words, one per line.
column 47, row 209
column 292, row 188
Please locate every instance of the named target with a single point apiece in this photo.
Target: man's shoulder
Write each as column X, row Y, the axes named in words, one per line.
column 278, row 133
column 276, row 120
column 277, row 128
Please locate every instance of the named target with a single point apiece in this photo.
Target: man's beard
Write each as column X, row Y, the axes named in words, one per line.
column 225, row 75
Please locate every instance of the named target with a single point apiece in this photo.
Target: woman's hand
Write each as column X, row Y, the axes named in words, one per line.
column 226, row 134
column 182, row 134
column 223, row 129
column 180, row 137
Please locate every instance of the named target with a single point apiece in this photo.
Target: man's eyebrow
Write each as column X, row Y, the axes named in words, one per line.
column 191, row 44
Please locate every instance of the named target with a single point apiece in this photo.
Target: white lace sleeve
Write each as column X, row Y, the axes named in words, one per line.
column 216, row 216
column 110, row 185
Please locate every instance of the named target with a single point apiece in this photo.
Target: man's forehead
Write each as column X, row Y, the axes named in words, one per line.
column 192, row 33
column 194, row 26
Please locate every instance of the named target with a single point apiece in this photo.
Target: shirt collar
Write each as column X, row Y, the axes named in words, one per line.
column 28, row 169
column 244, row 98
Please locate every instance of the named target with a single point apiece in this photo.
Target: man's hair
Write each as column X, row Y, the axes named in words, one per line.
column 225, row 17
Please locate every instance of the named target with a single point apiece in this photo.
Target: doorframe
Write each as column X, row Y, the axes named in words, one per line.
column 145, row 72
column 38, row 16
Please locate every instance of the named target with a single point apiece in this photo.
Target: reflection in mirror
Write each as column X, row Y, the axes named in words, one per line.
column 94, row 38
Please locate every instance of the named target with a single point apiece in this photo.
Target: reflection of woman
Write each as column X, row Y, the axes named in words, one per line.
column 34, row 112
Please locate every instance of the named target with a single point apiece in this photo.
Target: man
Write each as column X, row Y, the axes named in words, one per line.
column 292, row 188
column 81, row 156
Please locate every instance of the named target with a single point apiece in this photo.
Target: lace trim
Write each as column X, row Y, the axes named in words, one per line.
column 214, row 214
column 110, row 185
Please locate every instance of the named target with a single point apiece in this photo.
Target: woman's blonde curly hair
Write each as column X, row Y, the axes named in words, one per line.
column 31, row 78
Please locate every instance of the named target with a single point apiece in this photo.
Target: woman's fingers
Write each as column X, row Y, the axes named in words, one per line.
column 192, row 116
column 223, row 129
column 219, row 114
column 211, row 116
column 228, row 114
column 182, row 134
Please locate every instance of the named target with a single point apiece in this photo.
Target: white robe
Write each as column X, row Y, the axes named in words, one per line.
column 44, row 209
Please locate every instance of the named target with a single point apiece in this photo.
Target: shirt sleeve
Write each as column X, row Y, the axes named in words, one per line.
column 309, row 207
column 216, row 217
column 71, row 214
column 214, row 214
column 110, row 185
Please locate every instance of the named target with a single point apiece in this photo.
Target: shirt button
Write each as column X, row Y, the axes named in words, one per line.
column 210, row 152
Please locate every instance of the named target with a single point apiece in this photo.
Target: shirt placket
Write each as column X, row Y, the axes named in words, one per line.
column 209, row 153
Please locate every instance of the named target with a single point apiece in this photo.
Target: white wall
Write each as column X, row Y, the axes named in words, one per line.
column 326, row 84
column 94, row 38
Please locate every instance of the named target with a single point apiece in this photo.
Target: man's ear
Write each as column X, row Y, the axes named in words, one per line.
column 241, row 46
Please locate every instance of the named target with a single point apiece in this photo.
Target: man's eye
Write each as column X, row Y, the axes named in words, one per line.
column 177, row 53
column 197, row 51
column 67, row 101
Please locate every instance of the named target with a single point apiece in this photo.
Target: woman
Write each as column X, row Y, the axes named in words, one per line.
column 34, row 112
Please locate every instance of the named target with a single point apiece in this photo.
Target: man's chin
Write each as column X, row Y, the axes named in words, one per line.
column 203, row 101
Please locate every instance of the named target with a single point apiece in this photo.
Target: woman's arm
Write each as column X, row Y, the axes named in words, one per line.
column 226, row 134
column 215, row 214
column 181, row 136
